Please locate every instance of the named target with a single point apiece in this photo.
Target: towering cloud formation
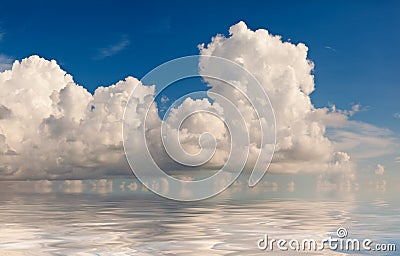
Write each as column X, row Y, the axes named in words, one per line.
column 285, row 73
column 52, row 128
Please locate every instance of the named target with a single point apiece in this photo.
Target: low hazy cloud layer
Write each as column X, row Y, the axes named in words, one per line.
column 52, row 128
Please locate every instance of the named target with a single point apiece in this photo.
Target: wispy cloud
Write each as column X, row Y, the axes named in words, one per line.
column 113, row 49
column 330, row 48
column 396, row 115
column 5, row 62
column 364, row 140
column 2, row 34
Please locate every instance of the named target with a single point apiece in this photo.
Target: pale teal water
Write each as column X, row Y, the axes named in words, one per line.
column 118, row 217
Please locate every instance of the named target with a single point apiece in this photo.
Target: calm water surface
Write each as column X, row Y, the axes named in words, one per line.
column 119, row 217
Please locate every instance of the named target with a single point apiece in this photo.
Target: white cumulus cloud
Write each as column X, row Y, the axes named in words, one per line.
column 286, row 75
column 52, row 128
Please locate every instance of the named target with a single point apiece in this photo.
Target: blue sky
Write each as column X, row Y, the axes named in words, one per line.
column 354, row 44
